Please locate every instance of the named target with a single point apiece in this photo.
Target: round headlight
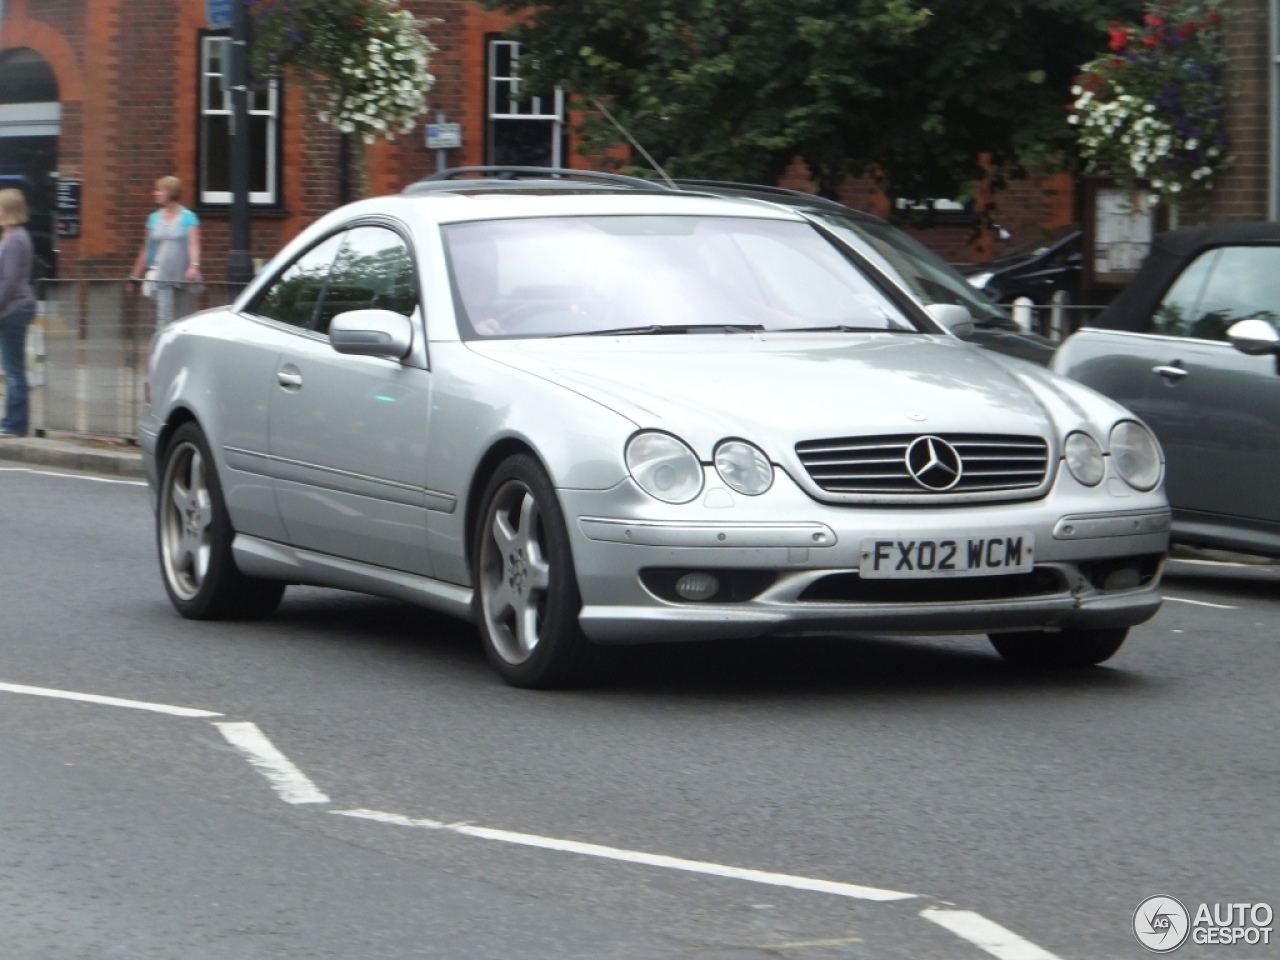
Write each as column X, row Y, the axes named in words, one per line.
column 1084, row 459
column 664, row 467
column 744, row 467
column 1136, row 455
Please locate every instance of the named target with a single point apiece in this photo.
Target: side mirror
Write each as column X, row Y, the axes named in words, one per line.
column 1255, row 337
column 371, row 333
column 954, row 318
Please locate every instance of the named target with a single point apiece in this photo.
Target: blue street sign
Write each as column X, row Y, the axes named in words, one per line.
column 218, row 13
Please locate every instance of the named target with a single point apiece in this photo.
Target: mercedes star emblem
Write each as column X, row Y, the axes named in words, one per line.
column 933, row 463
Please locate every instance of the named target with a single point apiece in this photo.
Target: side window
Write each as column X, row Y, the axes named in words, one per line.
column 294, row 296
column 1244, row 283
column 1177, row 311
column 373, row 270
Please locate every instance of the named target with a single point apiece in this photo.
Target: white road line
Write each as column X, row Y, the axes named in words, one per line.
column 73, row 476
column 988, row 935
column 635, row 856
column 286, row 779
column 1202, row 603
column 107, row 701
column 1218, row 564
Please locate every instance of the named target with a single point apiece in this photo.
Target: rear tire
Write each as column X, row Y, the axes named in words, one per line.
column 193, row 539
column 526, row 590
column 1067, row 649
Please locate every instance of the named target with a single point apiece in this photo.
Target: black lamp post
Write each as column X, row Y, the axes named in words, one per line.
column 240, row 262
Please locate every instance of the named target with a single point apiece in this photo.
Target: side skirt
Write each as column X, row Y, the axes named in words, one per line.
column 278, row 561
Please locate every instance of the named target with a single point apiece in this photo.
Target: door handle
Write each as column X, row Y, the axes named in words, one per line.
column 1170, row 372
column 289, row 379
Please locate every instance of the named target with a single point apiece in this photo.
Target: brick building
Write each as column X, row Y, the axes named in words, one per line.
column 100, row 97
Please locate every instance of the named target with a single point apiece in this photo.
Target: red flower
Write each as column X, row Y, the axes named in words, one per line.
column 1119, row 37
column 357, row 22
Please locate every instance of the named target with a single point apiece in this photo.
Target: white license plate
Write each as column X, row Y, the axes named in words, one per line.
column 886, row 558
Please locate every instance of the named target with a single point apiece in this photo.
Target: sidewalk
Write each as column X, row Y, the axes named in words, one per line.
column 72, row 452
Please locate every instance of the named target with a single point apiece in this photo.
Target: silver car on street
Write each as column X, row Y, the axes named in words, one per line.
column 608, row 415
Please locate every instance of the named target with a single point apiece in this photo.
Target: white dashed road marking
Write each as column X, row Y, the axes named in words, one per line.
column 286, row 779
column 639, row 857
column 293, row 786
column 77, row 476
column 1202, row 603
column 107, row 701
column 984, row 933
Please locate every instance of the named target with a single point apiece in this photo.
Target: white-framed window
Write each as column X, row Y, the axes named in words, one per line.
column 523, row 131
column 215, row 130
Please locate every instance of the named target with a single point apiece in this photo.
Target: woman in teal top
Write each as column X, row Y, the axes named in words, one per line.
column 173, row 249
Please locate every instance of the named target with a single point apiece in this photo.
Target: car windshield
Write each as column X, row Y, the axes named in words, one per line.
column 922, row 271
column 563, row 276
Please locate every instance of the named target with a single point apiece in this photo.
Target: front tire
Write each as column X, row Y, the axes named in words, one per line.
column 526, row 590
column 1066, row 649
column 193, row 538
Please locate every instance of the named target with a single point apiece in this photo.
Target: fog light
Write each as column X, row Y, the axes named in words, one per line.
column 1126, row 578
column 697, row 586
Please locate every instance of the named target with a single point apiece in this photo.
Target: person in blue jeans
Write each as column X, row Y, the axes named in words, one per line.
column 17, row 310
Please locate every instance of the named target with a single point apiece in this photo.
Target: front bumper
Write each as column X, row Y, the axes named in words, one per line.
column 805, row 557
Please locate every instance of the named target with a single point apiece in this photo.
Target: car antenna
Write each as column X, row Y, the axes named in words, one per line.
column 632, row 140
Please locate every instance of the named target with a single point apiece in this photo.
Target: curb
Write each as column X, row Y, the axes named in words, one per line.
column 76, row 453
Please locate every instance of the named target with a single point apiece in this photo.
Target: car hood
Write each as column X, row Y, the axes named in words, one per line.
column 779, row 389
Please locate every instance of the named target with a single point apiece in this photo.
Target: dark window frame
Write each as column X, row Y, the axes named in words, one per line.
column 272, row 198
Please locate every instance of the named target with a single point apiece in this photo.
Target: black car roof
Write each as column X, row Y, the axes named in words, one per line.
column 1170, row 253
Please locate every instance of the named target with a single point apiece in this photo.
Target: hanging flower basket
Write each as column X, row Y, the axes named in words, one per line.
column 1152, row 109
column 366, row 59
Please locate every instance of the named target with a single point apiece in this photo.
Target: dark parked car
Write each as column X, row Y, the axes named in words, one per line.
column 1048, row 266
column 1191, row 346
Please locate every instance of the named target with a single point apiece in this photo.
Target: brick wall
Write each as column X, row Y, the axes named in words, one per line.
column 128, row 85
column 1241, row 192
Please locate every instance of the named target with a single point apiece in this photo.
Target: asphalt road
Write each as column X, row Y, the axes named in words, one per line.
column 813, row 799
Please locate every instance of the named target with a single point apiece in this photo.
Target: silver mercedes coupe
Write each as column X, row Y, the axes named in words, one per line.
column 594, row 415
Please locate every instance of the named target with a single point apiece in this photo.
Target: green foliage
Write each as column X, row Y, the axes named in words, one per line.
column 737, row 88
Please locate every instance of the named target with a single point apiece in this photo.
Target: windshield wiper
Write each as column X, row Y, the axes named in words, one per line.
column 841, row 328
column 657, row 328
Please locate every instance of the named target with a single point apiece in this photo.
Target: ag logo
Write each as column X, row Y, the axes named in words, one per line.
column 1161, row 924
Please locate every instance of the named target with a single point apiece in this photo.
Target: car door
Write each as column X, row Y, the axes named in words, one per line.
column 348, row 434
column 1215, row 409
column 246, row 360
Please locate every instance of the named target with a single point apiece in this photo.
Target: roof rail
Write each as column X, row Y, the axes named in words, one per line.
column 455, row 178
column 761, row 191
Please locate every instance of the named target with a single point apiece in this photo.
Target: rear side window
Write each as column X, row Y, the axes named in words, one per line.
column 1218, row 289
column 373, row 270
column 294, row 296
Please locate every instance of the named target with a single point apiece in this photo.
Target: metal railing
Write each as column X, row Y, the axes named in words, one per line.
column 87, row 354
column 1057, row 321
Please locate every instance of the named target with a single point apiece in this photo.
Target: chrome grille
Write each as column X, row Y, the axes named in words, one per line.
column 878, row 465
